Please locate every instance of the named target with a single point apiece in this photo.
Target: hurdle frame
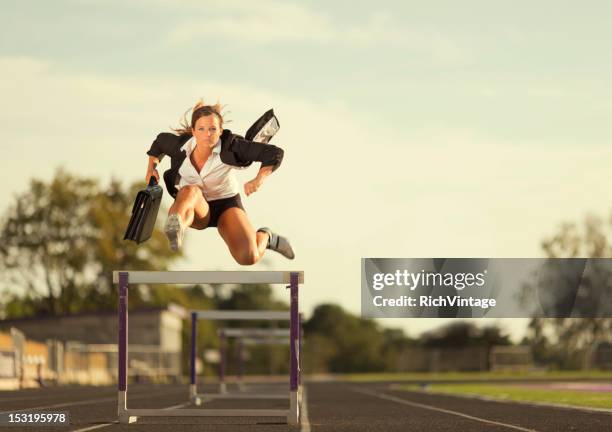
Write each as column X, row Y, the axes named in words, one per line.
column 219, row 315
column 125, row 277
column 250, row 336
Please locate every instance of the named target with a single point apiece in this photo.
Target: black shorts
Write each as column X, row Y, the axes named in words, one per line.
column 217, row 207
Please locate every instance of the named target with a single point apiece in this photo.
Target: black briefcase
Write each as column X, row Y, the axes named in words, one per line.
column 144, row 213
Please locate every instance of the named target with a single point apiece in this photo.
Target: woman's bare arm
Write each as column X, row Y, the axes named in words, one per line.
column 253, row 185
column 152, row 169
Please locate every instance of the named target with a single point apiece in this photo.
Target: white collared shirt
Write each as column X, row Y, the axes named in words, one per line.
column 216, row 179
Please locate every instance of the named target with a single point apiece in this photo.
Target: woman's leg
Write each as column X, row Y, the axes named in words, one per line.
column 191, row 207
column 246, row 246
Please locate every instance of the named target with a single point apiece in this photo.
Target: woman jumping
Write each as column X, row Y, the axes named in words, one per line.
column 201, row 179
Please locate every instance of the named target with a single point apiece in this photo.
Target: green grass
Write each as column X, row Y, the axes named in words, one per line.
column 477, row 376
column 522, row 394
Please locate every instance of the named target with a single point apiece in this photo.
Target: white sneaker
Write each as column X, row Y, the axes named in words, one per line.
column 175, row 230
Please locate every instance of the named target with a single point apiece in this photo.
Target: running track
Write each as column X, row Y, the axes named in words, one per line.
column 330, row 407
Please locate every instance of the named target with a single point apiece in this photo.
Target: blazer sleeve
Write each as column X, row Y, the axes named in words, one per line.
column 163, row 145
column 247, row 151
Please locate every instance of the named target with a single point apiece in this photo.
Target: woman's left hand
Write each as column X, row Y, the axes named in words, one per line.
column 253, row 185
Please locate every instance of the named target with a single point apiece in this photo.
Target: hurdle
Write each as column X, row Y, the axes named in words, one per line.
column 243, row 342
column 230, row 316
column 244, row 336
column 293, row 278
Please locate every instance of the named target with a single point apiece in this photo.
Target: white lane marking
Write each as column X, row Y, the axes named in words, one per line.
column 176, row 406
column 304, row 417
column 530, row 403
column 100, row 426
column 41, row 396
column 65, row 404
column 86, row 402
column 59, row 391
column 433, row 408
column 22, row 398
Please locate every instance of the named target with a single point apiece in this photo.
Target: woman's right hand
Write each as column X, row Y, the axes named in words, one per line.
column 152, row 173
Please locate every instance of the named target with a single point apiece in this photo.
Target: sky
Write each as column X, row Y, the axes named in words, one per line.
column 410, row 129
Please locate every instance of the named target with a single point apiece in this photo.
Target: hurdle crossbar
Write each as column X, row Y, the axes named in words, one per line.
column 256, row 315
column 123, row 278
column 264, row 341
column 198, row 412
column 209, row 277
column 254, row 332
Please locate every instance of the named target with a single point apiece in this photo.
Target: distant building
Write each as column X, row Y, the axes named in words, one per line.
column 82, row 348
column 153, row 326
column 22, row 362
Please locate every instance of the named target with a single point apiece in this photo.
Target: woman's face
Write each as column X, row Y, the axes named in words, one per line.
column 207, row 130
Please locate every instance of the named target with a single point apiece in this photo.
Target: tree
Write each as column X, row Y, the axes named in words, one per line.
column 342, row 342
column 559, row 340
column 252, row 297
column 60, row 242
column 464, row 334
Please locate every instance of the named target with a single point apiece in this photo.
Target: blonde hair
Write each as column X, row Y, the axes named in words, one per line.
column 199, row 110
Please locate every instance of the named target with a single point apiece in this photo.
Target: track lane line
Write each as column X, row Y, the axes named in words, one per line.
column 87, row 402
column 305, row 422
column 67, row 394
column 100, row 426
column 434, row 408
column 528, row 403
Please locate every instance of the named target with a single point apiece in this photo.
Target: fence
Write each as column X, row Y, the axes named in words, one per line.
column 26, row 363
column 96, row 364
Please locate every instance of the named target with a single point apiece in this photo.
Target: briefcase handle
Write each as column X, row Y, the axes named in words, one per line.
column 153, row 180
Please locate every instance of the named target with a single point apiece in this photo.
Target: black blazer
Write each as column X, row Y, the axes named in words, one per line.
column 235, row 151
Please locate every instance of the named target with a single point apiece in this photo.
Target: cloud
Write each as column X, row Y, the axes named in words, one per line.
column 272, row 22
column 276, row 22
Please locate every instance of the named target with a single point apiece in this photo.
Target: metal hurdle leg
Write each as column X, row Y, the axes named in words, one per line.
column 301, row 336
column 193, row 392
column 294, row 409
column 240, row 364
column 124, row 417
column 222, row 345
